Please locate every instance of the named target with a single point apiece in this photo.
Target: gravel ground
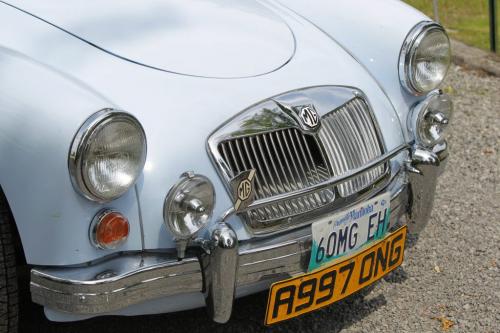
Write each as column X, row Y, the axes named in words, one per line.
column 450, row 280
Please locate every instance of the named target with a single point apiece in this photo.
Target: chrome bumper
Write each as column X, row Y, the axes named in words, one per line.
column 129, row 279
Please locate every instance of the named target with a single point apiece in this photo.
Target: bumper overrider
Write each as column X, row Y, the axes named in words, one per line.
column 223, row 265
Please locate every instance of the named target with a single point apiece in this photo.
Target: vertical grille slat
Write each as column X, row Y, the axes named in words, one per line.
column 372, row 141
column 266, row 187
column 260, row 191
column 354, row 147
column 364, row 145
column 234, row 158
column 283, row 157
column 287, row 160
column 272, row 184
column 351, row 157
column 303, row 156
column 314, row 169
column 351, row 141
column 306, row 155
column 358, row 144
column 337, row 155
column 301, row 179
column 285, row 180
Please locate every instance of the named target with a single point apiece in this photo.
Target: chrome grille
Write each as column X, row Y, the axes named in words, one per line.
column 294, row 163
column 350, row 141
column 285, row 160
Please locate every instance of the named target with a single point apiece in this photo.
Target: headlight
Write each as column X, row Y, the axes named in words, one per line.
column 107, row 155
column 429, row 119
column 189, row 205
column 425, row 58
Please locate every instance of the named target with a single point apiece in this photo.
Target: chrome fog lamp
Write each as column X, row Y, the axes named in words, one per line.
column 189, row 205
column 107, row 155
column 429, row 119
column 425, row 58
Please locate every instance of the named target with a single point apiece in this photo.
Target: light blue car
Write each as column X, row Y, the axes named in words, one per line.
column 159, row 156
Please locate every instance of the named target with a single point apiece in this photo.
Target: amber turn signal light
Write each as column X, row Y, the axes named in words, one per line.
column 109, row 229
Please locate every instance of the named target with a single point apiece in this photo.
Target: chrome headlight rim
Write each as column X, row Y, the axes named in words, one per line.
column 80, row 145
column 406, row 57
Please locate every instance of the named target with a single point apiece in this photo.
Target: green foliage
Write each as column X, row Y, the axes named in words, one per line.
column 465, row 20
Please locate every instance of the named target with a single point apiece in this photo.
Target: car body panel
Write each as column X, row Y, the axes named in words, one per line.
column 178, row 113
column 52, row 219
column 201, row 38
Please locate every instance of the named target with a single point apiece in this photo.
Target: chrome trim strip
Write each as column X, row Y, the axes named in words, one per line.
column 330, row 182
column 160, row 276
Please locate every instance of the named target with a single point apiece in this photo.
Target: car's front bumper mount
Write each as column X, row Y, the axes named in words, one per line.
column 129, row 279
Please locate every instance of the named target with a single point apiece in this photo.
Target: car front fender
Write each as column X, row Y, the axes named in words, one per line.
column 41, row 110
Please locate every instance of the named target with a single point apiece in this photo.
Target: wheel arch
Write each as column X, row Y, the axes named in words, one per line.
column 18, row 244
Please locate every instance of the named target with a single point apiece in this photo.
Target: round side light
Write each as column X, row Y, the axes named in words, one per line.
column 189, row 205
column 430, row 118
column 109, row 229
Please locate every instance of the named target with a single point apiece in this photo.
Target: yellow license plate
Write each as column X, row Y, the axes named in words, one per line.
column 305, row 293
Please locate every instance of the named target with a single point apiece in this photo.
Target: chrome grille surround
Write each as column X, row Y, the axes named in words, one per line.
column 290, row 157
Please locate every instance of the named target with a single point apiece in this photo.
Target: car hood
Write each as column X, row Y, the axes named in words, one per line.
column 207, row 38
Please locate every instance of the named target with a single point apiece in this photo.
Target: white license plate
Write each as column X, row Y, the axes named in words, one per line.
column 347, row 231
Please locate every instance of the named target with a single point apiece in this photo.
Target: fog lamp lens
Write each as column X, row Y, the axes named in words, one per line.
column 189, row 205
column 431, row 118
column 109, row 229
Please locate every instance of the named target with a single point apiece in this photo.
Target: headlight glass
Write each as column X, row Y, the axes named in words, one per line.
column 108, row 155
column 189, row 205
column 425, row 58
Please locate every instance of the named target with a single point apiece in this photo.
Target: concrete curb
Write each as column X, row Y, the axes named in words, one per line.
column 474, row 58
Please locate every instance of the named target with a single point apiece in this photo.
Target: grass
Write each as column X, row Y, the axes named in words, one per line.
column 465, row 20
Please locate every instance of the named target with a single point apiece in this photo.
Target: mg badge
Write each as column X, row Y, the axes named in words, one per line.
column 243, row 189
column 309, row 116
